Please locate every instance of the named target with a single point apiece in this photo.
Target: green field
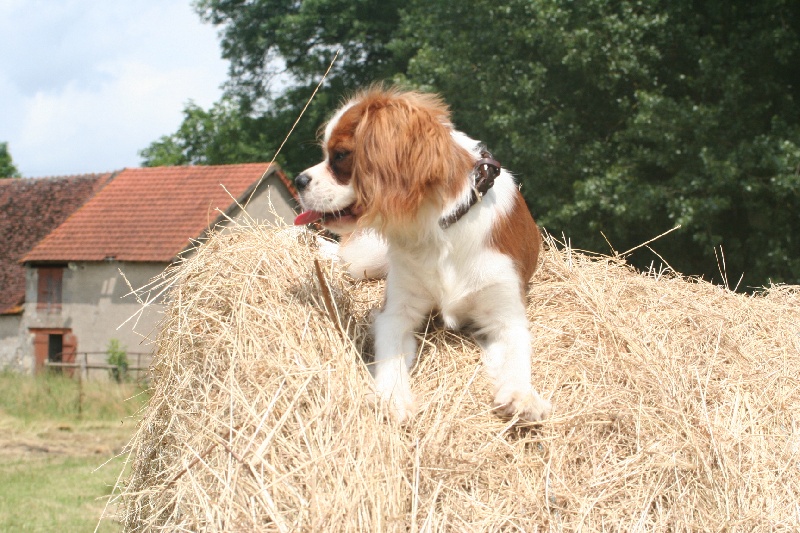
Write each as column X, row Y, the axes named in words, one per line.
column 55, row 440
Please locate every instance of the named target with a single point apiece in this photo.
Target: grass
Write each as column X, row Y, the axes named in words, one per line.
column 56, row 397
column 55, row 438
column 54, row 494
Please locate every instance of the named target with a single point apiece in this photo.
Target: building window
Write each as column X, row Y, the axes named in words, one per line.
column 49, row 294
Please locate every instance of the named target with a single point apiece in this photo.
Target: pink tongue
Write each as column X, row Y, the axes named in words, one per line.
column 307, row 217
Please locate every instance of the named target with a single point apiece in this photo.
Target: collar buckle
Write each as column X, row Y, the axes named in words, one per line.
column 484, row 173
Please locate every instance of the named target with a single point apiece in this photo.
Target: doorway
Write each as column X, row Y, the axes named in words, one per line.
column 55, row 350
column 56, row 345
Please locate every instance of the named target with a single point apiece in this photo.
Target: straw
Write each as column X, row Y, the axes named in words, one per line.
column 676, row 405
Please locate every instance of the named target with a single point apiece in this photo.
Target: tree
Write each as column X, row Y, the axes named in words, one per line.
column 626, row 119
column 217, row 136
column 260, row 36
column 621, row 119
column 7, row 168
column 274, row 43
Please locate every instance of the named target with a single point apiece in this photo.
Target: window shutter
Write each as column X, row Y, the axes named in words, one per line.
column 49, row 289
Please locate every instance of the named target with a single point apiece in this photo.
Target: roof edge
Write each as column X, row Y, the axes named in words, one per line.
column 240, row 203
column 103, row 179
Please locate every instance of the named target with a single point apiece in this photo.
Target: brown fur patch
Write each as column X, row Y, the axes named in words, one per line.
column 341, row 145
column 402, row 154
column 516, row 234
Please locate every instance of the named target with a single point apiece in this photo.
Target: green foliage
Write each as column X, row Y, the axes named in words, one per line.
column 626, row 119
column 620, row 119
column 118, row 357
column 278, row 51
column 262, row 37
column 7, row 168
column 213, row 137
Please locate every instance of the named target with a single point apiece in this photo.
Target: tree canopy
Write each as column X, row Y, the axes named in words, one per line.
column 7, row 168
column 621, row 120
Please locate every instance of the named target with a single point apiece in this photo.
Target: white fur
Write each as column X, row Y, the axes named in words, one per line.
column 365, row 253
column 324, row 194
column 453, row 270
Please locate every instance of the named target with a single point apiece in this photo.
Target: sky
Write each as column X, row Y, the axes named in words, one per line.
column 86, row 84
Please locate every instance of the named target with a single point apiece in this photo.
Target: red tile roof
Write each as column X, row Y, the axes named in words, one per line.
column 150, row 214
column 31, row 208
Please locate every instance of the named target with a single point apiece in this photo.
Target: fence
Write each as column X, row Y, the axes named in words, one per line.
column 92, row 364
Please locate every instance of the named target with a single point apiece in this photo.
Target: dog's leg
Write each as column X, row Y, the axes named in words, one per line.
column 395, row 351
column 506, row 341
column 365, row 253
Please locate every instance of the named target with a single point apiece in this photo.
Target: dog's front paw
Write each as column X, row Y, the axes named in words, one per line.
column 328, row 249
column 527, row 405
column 397, row 403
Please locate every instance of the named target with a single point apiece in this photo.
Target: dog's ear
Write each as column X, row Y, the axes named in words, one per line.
column 405, row 156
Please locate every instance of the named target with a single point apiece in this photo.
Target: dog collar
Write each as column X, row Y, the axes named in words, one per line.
column 484, row 172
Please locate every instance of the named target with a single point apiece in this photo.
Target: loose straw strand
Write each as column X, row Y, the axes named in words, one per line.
column 324, row 77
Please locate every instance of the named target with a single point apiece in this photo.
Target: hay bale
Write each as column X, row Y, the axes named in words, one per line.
column 677, row 406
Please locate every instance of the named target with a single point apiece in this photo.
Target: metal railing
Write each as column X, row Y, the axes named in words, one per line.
column 83, row 365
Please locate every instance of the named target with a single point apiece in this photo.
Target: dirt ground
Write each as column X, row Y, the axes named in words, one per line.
column 48, row 439
column 66, row 470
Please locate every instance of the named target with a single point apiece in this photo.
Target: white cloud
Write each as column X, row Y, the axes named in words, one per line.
column 80, row 130
column 90, row 83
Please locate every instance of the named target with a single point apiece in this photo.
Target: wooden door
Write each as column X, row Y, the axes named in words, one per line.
column 42, row 347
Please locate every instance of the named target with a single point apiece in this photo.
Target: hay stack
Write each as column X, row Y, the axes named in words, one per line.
column 677, row 407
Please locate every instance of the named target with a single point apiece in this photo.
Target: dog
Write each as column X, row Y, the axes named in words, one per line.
column 427, row 206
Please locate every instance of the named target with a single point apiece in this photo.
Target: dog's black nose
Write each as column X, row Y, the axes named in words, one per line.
column 302, row 181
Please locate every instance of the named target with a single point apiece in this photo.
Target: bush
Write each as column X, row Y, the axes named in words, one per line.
column 118, row 357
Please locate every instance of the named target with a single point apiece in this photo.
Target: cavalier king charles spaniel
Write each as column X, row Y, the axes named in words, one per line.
column 420, row 202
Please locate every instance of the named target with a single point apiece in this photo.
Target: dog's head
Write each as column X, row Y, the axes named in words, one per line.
column 388, row 155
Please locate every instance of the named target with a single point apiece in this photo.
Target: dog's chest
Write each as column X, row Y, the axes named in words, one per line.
column 439, row 275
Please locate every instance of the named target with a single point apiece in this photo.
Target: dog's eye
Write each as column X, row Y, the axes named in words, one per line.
column 340, row 156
